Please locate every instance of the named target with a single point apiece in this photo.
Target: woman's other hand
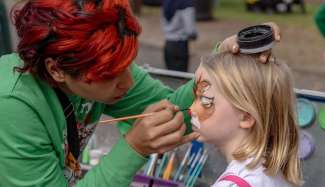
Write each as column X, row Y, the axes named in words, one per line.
column 230, row 43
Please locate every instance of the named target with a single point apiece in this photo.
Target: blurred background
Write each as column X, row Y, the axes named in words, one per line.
column 302, row 47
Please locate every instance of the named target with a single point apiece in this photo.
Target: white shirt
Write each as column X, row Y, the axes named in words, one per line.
column 255, row 177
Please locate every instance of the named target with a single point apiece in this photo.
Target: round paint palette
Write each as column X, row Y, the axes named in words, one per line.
column 321, row 117
column 306, row 145
column 306, row 112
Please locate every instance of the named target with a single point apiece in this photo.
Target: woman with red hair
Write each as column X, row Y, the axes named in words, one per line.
column 73, row 64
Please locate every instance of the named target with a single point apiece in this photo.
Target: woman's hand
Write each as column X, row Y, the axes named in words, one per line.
column 230, row 43
column 160, row 132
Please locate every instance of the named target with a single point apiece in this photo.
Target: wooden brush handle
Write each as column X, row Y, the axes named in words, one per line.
column 110, row 121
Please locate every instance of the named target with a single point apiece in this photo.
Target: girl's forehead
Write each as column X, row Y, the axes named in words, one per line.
column 203, row 76
column 201, row 73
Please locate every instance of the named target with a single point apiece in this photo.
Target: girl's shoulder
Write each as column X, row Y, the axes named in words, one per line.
column 238, row 175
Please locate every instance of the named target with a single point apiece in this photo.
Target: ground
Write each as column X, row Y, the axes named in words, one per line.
column 301, row 46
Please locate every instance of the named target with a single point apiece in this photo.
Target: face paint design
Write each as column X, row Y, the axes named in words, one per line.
column 215, row 119
column 195, row 120
column 205, row 100
column 206, row 103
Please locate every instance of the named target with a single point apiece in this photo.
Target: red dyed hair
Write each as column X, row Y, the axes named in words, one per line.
column 93, row 38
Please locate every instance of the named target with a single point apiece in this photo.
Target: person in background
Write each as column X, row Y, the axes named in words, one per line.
column 178, row 23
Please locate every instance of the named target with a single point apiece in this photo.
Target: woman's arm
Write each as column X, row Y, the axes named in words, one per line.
column 29, row 159
column 116, row 168
column 146, row 91
column 27, row 156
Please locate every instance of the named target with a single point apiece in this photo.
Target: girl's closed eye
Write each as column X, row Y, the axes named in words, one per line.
column 206, row 102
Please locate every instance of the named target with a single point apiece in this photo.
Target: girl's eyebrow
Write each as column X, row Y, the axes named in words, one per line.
column 207, row 97
column 197, row 79
column 205, row 80
column 200, row 79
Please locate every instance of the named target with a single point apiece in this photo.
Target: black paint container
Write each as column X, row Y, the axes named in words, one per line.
column 255, row 39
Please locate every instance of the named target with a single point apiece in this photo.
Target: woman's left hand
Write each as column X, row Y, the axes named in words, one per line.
column 230, row 44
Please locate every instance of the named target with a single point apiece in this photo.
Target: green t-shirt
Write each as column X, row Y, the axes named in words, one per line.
column 320, row 19
column 33, row 129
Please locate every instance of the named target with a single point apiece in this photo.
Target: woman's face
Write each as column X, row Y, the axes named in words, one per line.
column 219, row 120
column 107, row 91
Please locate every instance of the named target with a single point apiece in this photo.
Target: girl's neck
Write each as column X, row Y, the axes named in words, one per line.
column 230, row 146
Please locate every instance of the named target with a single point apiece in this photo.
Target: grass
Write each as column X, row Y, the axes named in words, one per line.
column 235, row 9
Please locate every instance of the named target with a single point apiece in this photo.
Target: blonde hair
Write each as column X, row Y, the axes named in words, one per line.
column 265, row 91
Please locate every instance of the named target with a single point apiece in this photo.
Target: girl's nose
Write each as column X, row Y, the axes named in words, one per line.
column 197, row 109
column 193, row 108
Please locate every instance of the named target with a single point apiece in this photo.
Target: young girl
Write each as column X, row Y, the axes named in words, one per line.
column 246, row 109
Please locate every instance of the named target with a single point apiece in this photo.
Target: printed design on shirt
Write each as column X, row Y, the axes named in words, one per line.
column 85, row 130
column 73, row 170
column 83, row 109
column 85, row 127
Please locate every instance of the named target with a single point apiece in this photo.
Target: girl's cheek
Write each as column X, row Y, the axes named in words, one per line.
column 205, row 113
column 200, row 115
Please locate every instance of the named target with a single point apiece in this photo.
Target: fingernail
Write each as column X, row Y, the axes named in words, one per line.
column 234, row 48
column 176, row 108
column 263, row 58
column 278, row 37
column 272, row 59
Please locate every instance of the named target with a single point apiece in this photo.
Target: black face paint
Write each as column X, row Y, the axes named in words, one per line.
column 206, row 102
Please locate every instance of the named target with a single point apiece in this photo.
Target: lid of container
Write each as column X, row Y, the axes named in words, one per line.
column 306, row 112
column 255, row 39
column 307, row 145
column 321, row 117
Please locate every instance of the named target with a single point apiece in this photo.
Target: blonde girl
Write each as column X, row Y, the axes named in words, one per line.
column 246, row 109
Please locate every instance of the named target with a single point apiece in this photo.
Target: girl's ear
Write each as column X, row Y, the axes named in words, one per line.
column 56, row 73
column 246, row 120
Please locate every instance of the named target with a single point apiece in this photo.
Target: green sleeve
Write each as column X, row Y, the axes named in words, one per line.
column 27, row 157
column 320, row 19
column 115, row 169
column 146, row 91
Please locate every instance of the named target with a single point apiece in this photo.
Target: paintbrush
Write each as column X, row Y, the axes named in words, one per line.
column 139, row 116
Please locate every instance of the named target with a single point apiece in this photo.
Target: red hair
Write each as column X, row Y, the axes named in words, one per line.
column 93, row 38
